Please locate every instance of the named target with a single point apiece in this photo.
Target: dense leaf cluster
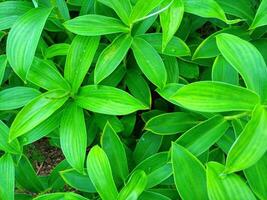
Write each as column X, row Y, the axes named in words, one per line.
column 147, row 99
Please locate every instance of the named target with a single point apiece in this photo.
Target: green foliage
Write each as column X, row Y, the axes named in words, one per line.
column 143, row 99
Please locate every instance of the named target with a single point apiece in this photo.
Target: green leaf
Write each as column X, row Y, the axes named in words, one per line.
column 3, row 64
column 261, row 16
column 60, row 49
column 45, row 75
column 99, row 171
column 115, row 151
column 152, row 195
column 7, row 177
column 23, row 39
column 78, row 181
column 202, row 136
column 149, row 62
column 111, row 57
column 17, row 97
column 256, row 177
column 170, row 123
column 225, row 187
column 250, row 146
column 170, row 20
column 187, row 169
column 12, row 147
column 79, row 59
column 73, row 136
column 93, row 25
column 240, row 53
column 207, row 96
column 63, row 196
column 35, row 112
column 135, row 186
column 172, row 69
column 103, row 99
column 122, row 8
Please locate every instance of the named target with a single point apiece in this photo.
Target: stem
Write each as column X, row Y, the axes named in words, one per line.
column 232, row 117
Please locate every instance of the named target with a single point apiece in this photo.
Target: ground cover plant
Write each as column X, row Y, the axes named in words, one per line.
column 133, row 99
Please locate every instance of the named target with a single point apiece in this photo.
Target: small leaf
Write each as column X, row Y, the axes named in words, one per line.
column 206, row 96
column 63, row 195
column 188, row 169
column 225, row 187
column 250, row 146
column 111, row 57
column 152, row 195
column 93, row 25
column 23, row 39
column 99, row 171
column 149, row 62
column 60, row 49
column 261, row 16
column 103, row 99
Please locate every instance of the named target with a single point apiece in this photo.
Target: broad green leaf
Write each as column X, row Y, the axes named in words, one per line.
column 149, row 62
column 122, row 8
column 100, row 173
column 78, row 181
column 206, row 96
column 170, row 20
column 111, row 57
column 176, row 47
column 3, row 64
column 7, row 177
column 35, row 112
column 187, row 169
column 152, row 195
column 23, row 39
column 143, row 8
column 138, row 87
column 115, row 151
column 101, row 121
column 169, row 91
column 240, row 54
column 256, row 176
column 172, row 69
column 12, row 147
column 26, row 176
column 261, row 16
column 108, row 100
column 170, row 123
column 224, row 187
column 60, row 49
column 250, row 146
column 61, row 196
column 17, row 97
column 188, row 70
column 73, row 136
column 46, row 76
column 202, row 136
column 79, row 59
column 159, row 175
column 135, row 186
column 93, row 25
column 148, row 144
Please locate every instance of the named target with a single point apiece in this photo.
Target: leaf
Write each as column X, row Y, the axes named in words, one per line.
column 3, row 64
column 73, row 136
column 60, row 195
column 60, row 49
column 7, row 177
column 35, row 112
column 12, row 147
column 135, row 186
column 46, row 76
column 111, row 57
column 187, row 169
column 79, row 59
column 149, row 62
column 78, row 181
column 103, row 99
column 172, row 69
column 122, row 8
column 225, row 187
column 206, row 96
column 93, row 25
column 99, row 171
column 240, row 53
column 170, row 123
column 261, row 16
column 152, row 195
column 256, row 177
column 170, row 20
column 23, row 39
column 202, row 136
column 17, row 97
column 115, row 151
column 250, row 146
